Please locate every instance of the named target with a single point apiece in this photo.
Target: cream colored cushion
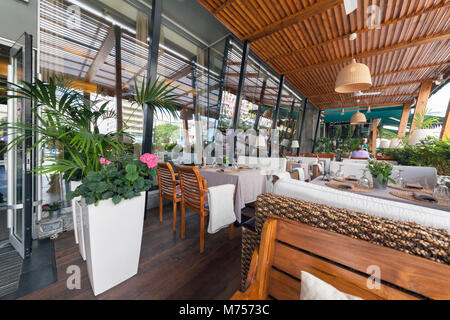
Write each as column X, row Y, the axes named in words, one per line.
column 315, row 289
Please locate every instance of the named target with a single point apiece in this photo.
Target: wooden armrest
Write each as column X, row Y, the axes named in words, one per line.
column 250, row 294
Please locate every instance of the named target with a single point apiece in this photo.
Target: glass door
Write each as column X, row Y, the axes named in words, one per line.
column 19, row 162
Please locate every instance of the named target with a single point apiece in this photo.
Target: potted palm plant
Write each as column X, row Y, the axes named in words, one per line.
column 113, row 183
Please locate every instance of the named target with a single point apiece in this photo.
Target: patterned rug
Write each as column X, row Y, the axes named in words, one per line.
column 10, row 270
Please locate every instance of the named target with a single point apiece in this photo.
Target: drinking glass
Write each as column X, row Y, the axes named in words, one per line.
column 364, row 181
column 441, row 190
column 340, row 172
column 214, row 163
column 400, row 181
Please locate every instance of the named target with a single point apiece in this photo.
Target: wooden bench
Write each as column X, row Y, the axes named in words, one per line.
column 288, row 247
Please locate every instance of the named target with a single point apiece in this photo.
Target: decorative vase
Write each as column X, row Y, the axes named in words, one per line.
column 378, row 185
column 112, row 237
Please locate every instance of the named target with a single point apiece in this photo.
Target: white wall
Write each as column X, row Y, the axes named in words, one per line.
column 17, row 17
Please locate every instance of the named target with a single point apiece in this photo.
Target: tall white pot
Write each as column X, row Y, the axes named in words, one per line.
column 73, row 186
column 113, row 236
column 419, row 134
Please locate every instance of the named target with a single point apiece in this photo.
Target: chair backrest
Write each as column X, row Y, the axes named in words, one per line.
column 288, row 247
column 320, row 155
column 166, row 179
column 192, row 187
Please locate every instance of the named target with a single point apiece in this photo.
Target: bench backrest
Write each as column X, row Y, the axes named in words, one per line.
column 288, row 247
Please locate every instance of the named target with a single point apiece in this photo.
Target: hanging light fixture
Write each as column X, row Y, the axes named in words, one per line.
column 342, row 111
column 353, row 77
column 267, row 114
column 368, row 109
column 358, row 117
column 186, row 114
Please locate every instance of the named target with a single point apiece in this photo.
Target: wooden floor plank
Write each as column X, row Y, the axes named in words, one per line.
column 169, row 268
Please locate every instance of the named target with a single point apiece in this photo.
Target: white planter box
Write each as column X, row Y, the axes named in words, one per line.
column 112, row 237
column 73, row 186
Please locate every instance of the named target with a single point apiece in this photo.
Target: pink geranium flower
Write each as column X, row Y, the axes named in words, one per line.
column 151, row 160
column 104, row 161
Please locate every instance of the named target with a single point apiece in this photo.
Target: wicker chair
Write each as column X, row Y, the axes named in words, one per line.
column 168, row 189
column 193, row 197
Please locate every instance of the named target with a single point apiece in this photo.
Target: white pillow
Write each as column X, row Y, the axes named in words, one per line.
column 315, row 289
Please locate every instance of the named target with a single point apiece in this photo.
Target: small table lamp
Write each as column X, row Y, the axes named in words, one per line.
column 294, row 145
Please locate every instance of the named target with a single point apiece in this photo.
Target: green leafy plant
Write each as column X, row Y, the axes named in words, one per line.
column 380, row 170
column 158, row 96
column 421, row 121
column 430, row 152
column 67, row 122
column 51, row 207
column 122, row 179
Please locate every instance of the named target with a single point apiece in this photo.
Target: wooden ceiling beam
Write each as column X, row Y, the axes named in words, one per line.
column 386, row 86
column 304, row 14
column 434, row 65
column 422, row 101
column 270, row 59
column 387, row 104
column 102, row 55
column 375, row 52
column 223, row 6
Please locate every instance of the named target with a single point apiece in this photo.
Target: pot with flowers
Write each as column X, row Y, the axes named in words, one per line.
column 113, row 201
column 381, row 172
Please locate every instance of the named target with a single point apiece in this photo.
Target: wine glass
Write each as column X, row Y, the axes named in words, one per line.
column 364, row 181
column 234, row 165
column 400, row 181
column 441, row 190
column 214, row 163
column 340, row 172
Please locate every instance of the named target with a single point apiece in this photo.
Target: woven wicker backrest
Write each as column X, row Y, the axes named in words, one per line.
column 191, row 187
column 408, row 237
column 166, row 176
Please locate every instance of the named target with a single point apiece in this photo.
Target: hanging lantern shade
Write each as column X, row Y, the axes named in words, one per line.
column 354, row 77
column 267, row 114
column 186, row 114
column 358, row 118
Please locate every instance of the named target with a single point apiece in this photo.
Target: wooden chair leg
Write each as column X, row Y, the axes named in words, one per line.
column 160, row 208
column 183, row 225
column 231, row 231
column 174, row 227
column 202, row 233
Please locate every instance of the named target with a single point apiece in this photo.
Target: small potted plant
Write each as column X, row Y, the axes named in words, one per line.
column 381, row 172
column 113, row 217
column 49, row 211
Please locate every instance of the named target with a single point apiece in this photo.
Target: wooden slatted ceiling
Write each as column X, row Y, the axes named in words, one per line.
column 307, row 40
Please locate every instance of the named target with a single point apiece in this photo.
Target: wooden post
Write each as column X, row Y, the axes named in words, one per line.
column 374, row 137
column 445, row 133
column 404, row 120
column 422, row 101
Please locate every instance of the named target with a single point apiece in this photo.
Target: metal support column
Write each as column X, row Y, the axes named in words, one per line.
column 155, row 27
column 118, row 49
column 261, row 98
column 315, row 133
column 305, row 104
column 237, row 107
column 277, row 109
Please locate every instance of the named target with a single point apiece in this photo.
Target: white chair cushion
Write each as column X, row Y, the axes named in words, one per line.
column 362, row 203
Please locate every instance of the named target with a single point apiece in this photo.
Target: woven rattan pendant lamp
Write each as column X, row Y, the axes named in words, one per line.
column 353, row 77
column 358, row 117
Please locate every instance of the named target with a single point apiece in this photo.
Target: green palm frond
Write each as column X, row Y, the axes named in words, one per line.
column 158, row 96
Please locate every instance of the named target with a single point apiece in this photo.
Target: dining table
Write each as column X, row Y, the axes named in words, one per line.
column 250, row 183
column 385, row 194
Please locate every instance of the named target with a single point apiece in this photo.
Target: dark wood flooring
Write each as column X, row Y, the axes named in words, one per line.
column 170, row 267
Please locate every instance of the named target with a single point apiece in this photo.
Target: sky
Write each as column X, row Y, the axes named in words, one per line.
column 437, row 104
